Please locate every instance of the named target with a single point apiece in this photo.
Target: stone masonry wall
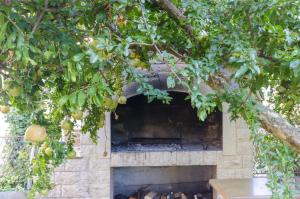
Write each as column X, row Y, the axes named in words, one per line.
column 89, row 176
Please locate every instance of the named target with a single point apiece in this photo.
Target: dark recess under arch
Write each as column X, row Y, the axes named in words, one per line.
column 139, row 125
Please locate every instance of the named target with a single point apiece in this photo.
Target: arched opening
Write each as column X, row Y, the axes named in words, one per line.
column 142, row 126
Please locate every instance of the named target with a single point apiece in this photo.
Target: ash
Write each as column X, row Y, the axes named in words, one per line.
column 163, row 147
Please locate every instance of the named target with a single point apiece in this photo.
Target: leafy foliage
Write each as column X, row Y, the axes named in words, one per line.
column 58, row 57
column 14, row 172
column 280, row 162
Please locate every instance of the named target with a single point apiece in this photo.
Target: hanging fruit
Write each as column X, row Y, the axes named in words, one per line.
column 14, row 91
column 49, row 151
column 4, row 109
column 71, row 154
column 77, row 115
column 67, row 125
column 122, row 100
column 35, row 134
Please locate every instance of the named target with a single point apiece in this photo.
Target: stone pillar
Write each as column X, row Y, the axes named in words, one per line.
column 236, row 160
column 87, row 176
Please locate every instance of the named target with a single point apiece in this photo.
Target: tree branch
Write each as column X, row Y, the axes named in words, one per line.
column 40, row 17
column 176, row 14
column 271, row 121
column 156, row 48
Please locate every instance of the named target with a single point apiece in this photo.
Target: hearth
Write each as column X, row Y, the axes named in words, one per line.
column 175, row 182
column 143, row 126
column 157, row 150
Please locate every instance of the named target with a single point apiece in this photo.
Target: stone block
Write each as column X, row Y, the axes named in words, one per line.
column 245, row 148
column 243, row 134
column 87, row 150
column 225, row 173
column 183, row 158
column 131, row 159
column 75, row 191
column 196, row 158
column 85, row 176
column 60, row 167
column 80, row 164
column 101, row 148
column 67, row 178
column 248, row 161
column 99, row 164
column 13, row 195
column 85, row 140
column 100, row 190
column 231, row 162
column 244, row 173
column 152, row 159
column 167, row 158
column 101, row 134
column 55, row 192
column 210, row 157
column 117, row 159
column 140, row 158
column 240, row 123
column 102, row 177
column 229, row 133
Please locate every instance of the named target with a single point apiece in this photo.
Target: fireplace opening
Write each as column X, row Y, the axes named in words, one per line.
column 182, row 182
column 142, row 126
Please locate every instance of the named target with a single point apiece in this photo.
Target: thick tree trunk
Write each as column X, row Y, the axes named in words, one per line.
column 271, row 121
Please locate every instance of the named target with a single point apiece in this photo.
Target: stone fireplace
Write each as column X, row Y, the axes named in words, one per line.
column 138, row 181
column 156, row 148
column 139, row 127
column 142, row 126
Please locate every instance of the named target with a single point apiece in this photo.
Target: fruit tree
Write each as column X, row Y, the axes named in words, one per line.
column 61, row 59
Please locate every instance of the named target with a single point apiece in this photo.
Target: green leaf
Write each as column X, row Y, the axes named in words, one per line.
column 243, row 69
column 96, row 78
column 32, row 61
column 202, row 115
column 91, row 91
column 48, row 54
column 3, row 32
column 295, row 64
column 256, row 68
column 126, row 50
column 20, row 42
column 170, row 82
column 63, row 100
column 81, row 98
column 78, row 57
column 73, row 99
column 93, row 58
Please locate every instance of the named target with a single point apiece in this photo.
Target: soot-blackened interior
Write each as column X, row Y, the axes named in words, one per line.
column 142, row 126
column 138, row 181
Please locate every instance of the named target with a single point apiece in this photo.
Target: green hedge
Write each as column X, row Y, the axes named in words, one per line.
column 14, row 171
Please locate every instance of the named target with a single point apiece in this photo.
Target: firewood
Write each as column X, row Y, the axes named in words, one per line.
column 183, row 196
column 163, row 197
column 150, row 195
column 177, row 195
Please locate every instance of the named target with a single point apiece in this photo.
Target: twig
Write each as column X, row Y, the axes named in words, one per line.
column 245, row 101
column 140, row 44
column 103, row 76
column 39, row 19
column 11, row 21
column 159, row 52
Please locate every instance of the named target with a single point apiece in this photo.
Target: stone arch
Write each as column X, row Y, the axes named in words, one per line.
column 157, row 80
